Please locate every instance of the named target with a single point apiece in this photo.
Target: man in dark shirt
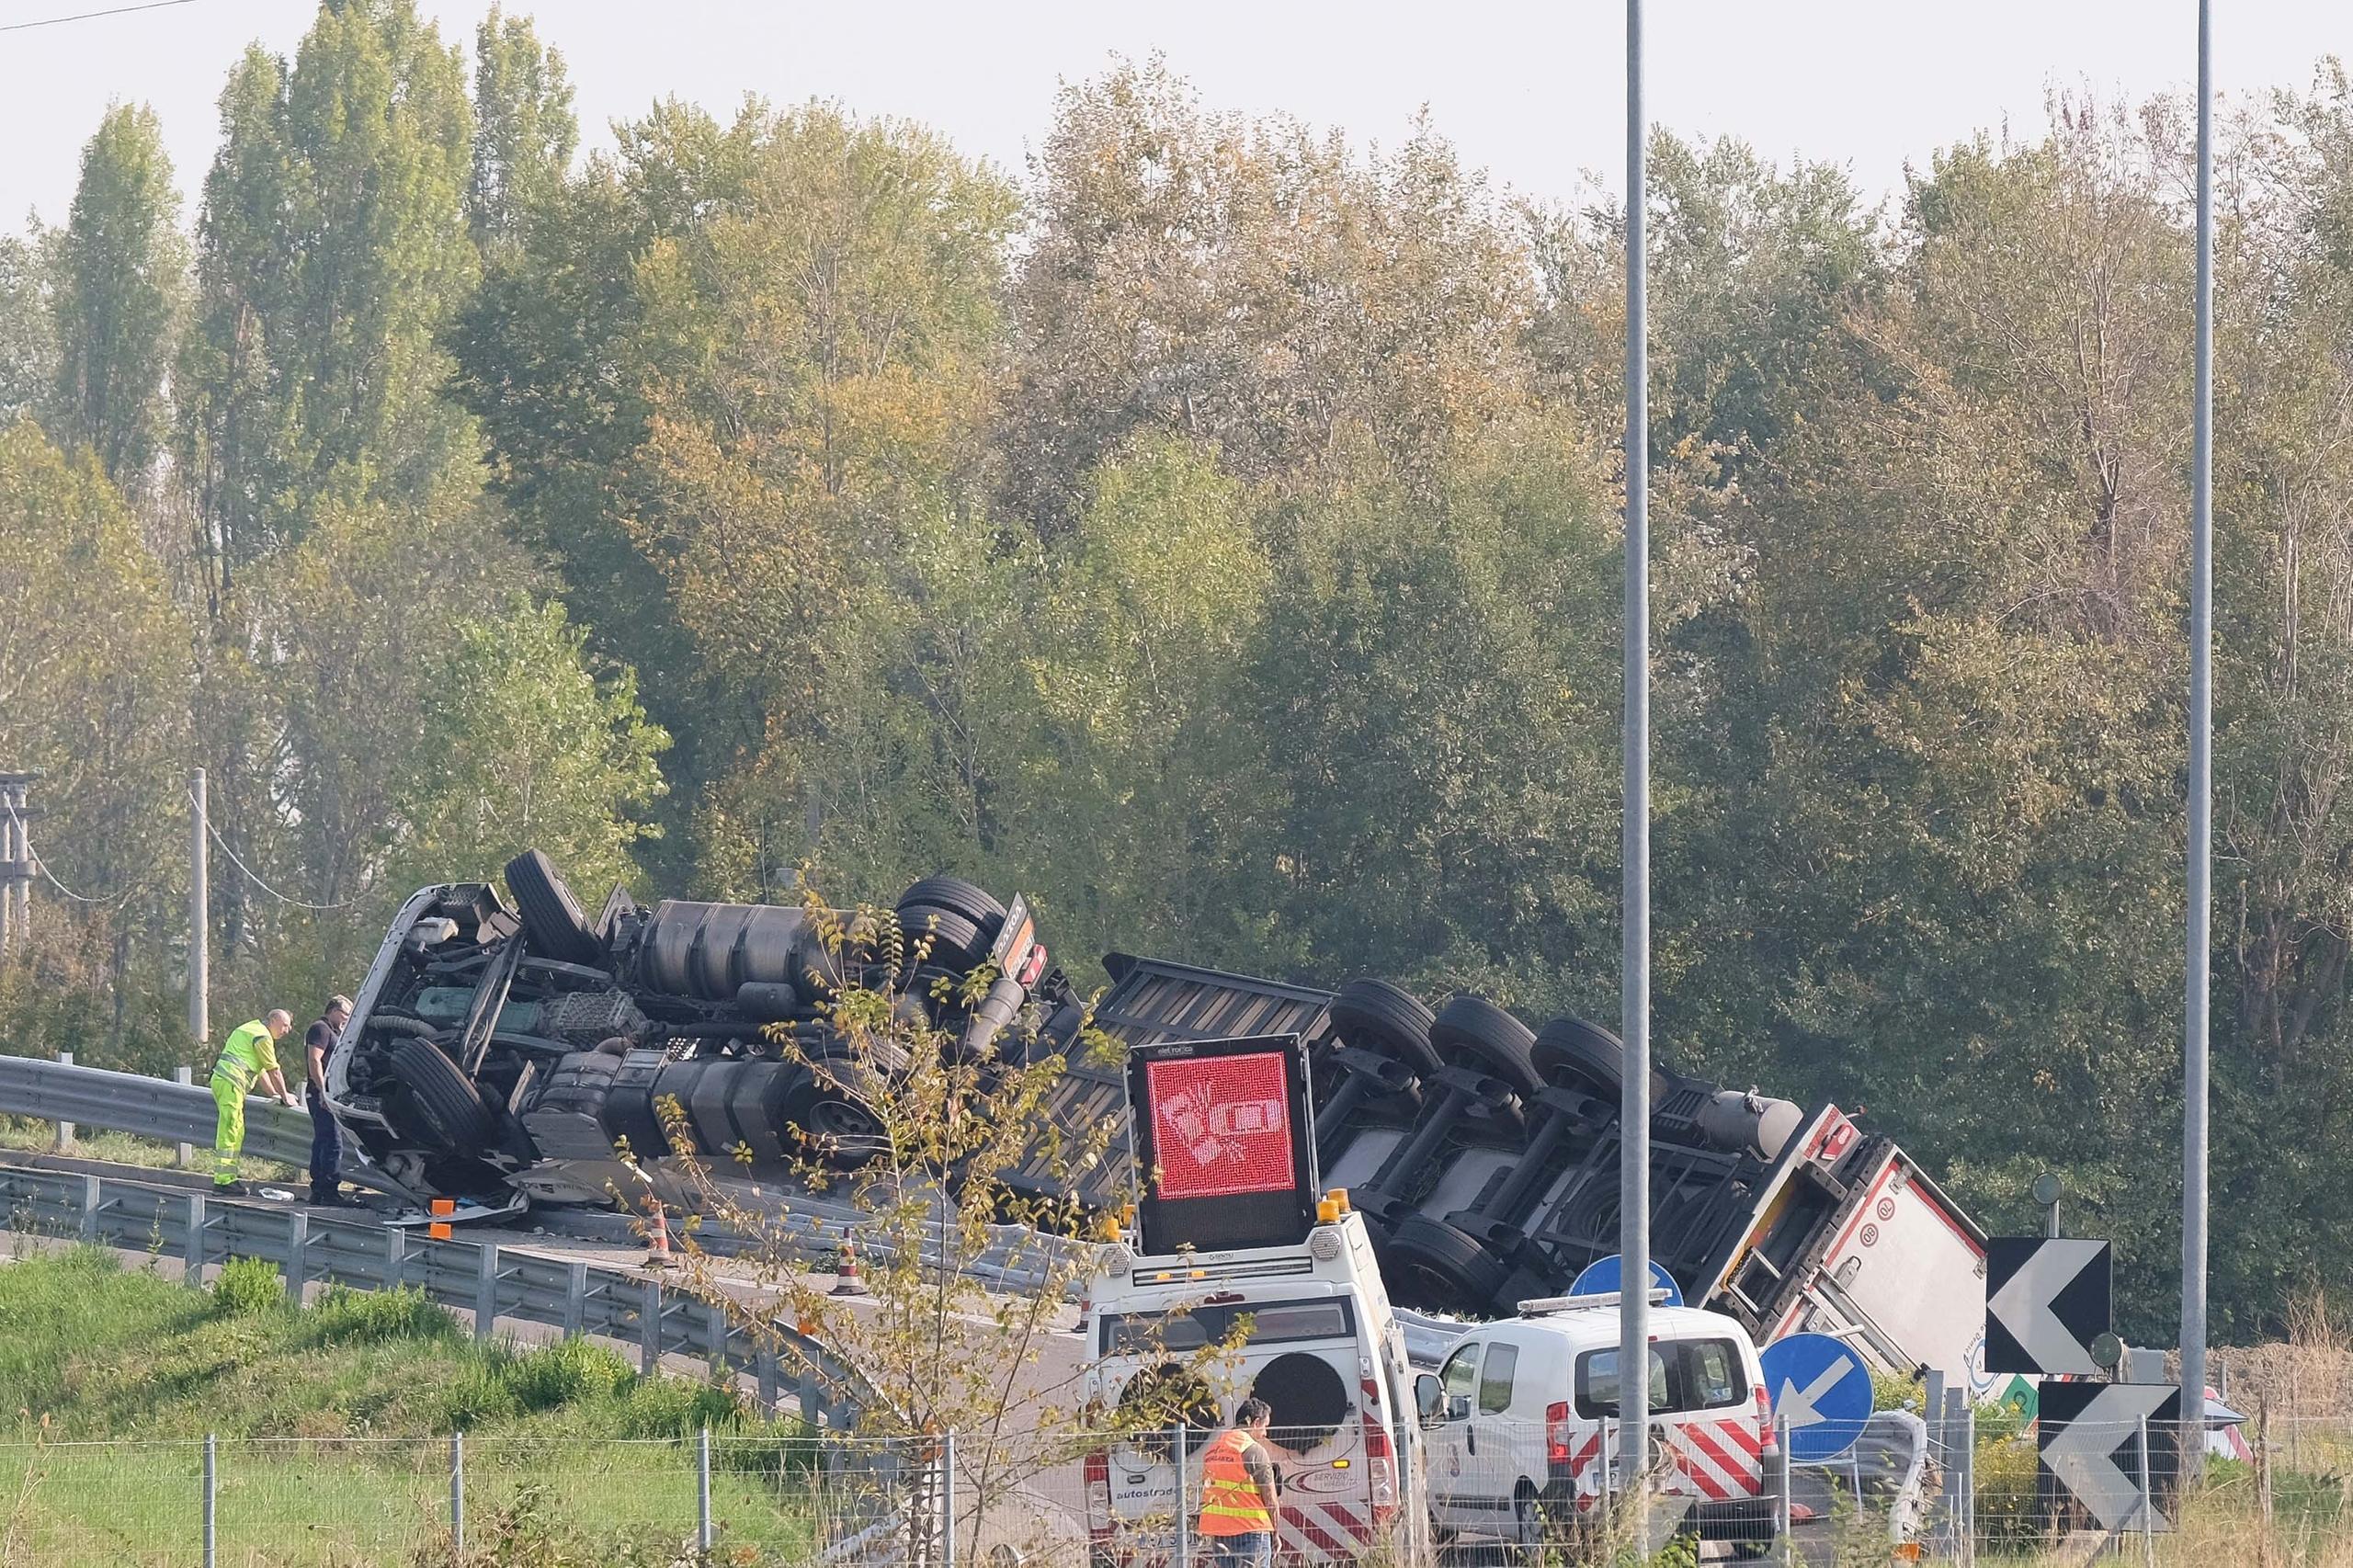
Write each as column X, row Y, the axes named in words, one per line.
column 327, row 1138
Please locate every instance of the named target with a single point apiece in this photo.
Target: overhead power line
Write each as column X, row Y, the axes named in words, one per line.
column 90, row 16
column 253, row 876
column 42, row 867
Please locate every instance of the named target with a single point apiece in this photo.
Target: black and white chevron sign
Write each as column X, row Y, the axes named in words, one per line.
column 2047, row 1297
column 2090, row 1437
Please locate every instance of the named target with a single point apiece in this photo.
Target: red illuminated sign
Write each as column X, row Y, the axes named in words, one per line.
column 1220, row 1125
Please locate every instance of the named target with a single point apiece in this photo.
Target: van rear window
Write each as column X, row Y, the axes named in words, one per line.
column 1685, row 1374
column 1271, row 1322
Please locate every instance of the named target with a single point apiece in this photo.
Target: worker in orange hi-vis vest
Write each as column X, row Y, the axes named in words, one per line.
column 1238, row 1492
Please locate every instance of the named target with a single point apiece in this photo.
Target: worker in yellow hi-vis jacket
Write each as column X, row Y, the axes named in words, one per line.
column 249, row 1057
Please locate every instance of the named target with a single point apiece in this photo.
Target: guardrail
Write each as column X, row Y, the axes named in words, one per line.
column 147, row 1107
column 183, row 1113
column 491, row 1281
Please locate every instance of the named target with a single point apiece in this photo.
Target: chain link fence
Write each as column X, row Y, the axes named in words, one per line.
column 1521, row 1494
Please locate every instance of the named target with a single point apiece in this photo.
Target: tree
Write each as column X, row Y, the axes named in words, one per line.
column 121, row 285
column 94, row 694
column 525, row 132
column 333, row 253
column 28, row 328
column 525, row 747
column 817, row 370
column 1249, row 284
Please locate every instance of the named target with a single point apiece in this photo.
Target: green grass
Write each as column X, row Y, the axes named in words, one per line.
column 332, row 1422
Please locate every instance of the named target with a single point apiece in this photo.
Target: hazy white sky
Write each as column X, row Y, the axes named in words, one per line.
column 1534, row 93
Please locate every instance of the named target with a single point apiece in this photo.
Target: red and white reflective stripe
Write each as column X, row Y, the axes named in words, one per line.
column 1320, row 1532
column 1718, row 1458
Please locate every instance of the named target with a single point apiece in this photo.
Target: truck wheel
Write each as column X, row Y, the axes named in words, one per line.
column 963, row 918
column 448, row 1111
column 956, row 942
column 1373, row 1015
column 956, row 896
column 1431, row 1266
column 1499, row 1042
column 552, row 918
column 1571, row 1052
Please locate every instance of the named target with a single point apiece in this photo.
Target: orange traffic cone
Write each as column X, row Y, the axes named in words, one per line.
column 657, row 1240
column 845, row 1280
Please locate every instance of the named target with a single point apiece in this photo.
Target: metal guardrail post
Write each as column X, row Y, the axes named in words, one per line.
column 1969, row 1487
column 764, row 1361
column 1781, row 1499
column 714, row 1324
column 212, row 1474
column 486, row 1290
column 192, row 1255
column 576, row 1299
column 702, row 1492
column 64, row 1129
column 1606, row 1475
column 297, row 1247
column 1184, row 1509
column 395, row 1257
column 649, row 1329
column 94, row 1203
column 457, row 1495
column 947, row 1501
column 182, row 1155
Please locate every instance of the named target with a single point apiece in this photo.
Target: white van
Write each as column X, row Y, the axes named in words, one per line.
column 1521, row 1432
column 1322, row 1350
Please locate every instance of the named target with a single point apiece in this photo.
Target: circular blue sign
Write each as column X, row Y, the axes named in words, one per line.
column 1603, row 1278
column 1820, row 1386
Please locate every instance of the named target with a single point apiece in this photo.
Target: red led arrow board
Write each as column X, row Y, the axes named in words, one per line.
column 1222, row 1135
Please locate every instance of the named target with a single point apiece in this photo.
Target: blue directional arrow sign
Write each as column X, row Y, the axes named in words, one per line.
column 1603, row 1278
column 1819, row 1386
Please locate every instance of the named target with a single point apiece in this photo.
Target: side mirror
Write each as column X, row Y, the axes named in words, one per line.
column 1429, row 1400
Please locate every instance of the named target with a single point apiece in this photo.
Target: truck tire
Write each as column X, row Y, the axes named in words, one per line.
column 825, row 1117
column 1373, row 1015
column 956, row 941
column 956, row 896
column 1431, row 1266
column 1574, row 1053
column 1497, row 1041
column 441, row 1100
column 552, row 918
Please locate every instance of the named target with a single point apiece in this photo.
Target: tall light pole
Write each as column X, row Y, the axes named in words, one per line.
column 1634, row 1109
column 2201, row 782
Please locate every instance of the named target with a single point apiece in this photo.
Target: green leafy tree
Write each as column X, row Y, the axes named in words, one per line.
column 525, row 747
column 333, row 253
column 94, row 694
column 28, row 327
column 524, row 131
column 122, row 286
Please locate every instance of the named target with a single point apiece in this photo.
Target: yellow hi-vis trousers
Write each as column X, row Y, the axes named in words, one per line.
column 229, row 1132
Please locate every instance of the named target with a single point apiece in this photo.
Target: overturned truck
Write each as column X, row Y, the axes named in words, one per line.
column 528, row 1050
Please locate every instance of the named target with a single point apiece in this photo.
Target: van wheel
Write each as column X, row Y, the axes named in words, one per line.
column 1527, row 1524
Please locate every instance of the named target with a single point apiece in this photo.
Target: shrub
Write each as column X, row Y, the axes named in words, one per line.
column 477, row 1398
column 248, row 1287
column 677, row 1407
column 344, row 1316
column 569, row 1371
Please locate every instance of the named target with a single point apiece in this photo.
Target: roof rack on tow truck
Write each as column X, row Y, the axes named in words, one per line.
column 1544, row 1306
